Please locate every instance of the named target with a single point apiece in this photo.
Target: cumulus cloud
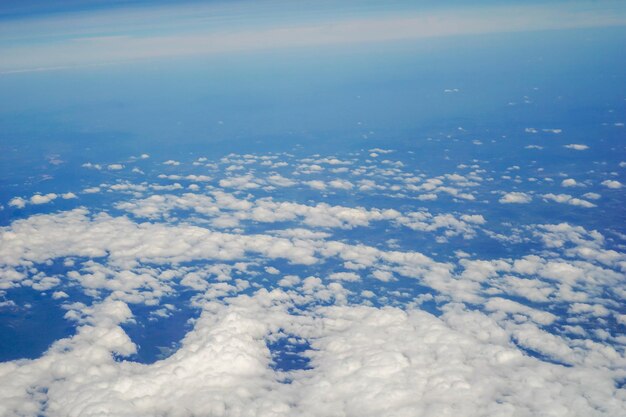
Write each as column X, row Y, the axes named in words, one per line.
column 43, row 198
column 316, row 184
column 341, row 184
column 592, row 196
column 612, row 184
column 577, row 146
column 17, row 202
column 569, row 182
column 515, row 198
column 223, row 366
column 307, row 283
column 244, row 182
column 568, row 199
column 344, row 276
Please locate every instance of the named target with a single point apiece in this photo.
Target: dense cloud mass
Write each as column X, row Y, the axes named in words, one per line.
column 376, row 293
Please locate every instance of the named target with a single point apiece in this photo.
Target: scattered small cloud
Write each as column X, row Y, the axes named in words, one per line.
column 515, row 198
column 577, row 146
column 612, row 184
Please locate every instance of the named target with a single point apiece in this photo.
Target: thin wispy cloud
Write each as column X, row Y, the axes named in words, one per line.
column 59, row 41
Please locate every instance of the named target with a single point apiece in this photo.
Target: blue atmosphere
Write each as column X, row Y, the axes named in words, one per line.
column 312, row 208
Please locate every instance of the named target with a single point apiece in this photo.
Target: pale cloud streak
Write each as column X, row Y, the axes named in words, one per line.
column 204, row 33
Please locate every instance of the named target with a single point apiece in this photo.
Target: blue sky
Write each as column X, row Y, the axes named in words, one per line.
column 37, row 36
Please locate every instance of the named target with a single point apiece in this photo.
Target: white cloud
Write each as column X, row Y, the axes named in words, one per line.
column 577, row 146
column 271, row 270
column 280, row 181
column 341, row 184
column 612, row 184
column 568, row 199
column 344, row 276
column 17, row 202
column 106, row 37
column 43, row 198
column 289, row 281
column 569, row 182
column 419, row 363
column 473, row 218
column 92, row 166
column 230, row 211
column 57, row 295
column 316, row 184
column 427, row 197
column 365, row 361
column 515, row 198
column 424, row 221
column 381, row 275
column 244, row 182
column 592, row 196
column 381, row 151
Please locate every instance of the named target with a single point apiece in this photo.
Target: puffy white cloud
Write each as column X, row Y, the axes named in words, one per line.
column 476, row 358
column 577, row 146
column 76, row 233
column 244, row 182
column 344, row 276
column 316, row 184
column 417, row 363
column 502, row 305
column 612, row 184
column 381, row 275
column 381, row 151
column 229, row 211
column 289, row 281
column 271, row 270
column 365, row 348
column 515, row 198
column 280, row 181
column 592, row 196
column 57, row 295
column 465, row 225
column 427, row 197
column 568, row 199
column 92, row 166
column 38, row 199
column 341, row 184
column 43, row 198
column 17, row 202
column 473, row 218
